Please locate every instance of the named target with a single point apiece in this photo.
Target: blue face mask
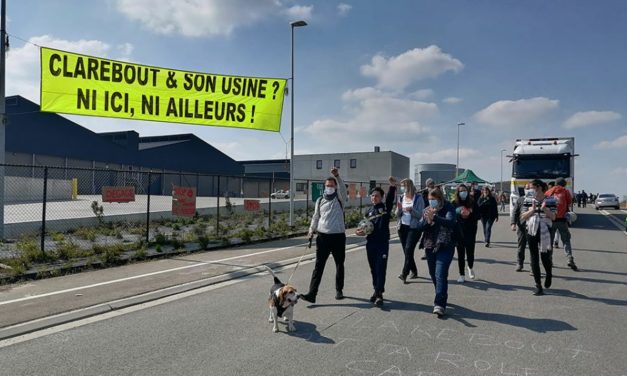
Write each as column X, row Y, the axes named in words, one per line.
column 433, row 203
column 463, row 195
column 402, row 189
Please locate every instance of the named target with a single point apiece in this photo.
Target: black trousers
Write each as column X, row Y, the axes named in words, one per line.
column 327, row 244
column 377, row 252
column 536, row 256
column 521, row 232
column 409, row 238
column 466, row 248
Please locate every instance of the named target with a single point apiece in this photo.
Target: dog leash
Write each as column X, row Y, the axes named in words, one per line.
column 307, row 246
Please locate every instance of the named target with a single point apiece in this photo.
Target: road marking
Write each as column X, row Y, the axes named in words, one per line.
column 145, row 275
column 138, row 307
column 148, row 274
column 614, row 221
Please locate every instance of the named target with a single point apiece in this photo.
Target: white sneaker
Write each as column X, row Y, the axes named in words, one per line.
column 438, row 311
column 471, row 274
column 461, row 279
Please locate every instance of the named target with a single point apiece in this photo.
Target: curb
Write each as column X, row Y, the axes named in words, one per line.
column 66, row 317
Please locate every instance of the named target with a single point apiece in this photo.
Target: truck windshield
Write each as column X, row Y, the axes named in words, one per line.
column 541, row 167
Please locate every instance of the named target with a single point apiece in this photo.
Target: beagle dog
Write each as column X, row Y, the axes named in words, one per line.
column 282, row 300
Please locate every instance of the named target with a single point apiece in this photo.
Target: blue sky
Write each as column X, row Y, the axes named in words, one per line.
column 397, row 74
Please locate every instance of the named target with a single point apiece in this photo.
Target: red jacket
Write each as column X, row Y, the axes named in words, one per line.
column 564, row 200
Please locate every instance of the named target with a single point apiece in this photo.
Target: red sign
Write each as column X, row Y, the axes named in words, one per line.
column 118, row 194
column 352, row 191
column 363, row 192
column 183, row 201
column 252, row 205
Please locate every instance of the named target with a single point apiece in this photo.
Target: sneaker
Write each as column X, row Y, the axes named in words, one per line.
column 402, row 278
column 571, row 264
column 373, row 297
column 487, row 245
column 547, row 280
column 556, row 245
column 413, row 276
column 379, row 301
column 309, row 297
column 538, row 291
column 339, row 295
column 519, row 268
column 471, row 274
column 438, row 311
column 461, row 279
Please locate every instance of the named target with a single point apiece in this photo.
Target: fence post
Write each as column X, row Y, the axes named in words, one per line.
column 148, row 208
column 218, row 210
column 270, row 205
column 360, row 197
column 43, row 212
column 307, row 193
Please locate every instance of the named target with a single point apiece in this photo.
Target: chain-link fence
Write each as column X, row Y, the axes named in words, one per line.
column 68, row 212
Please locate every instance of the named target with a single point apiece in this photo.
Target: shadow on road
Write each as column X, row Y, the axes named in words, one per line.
column 594, row 221
column 309, row 333
column 389, row 305
column 462, row 314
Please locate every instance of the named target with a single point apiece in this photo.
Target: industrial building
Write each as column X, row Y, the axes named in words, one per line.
column 439, row 172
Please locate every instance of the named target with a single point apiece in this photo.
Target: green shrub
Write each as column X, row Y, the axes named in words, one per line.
column 203, row 241
column 87, row 233
column 67, row 250
column 158, row 248
column 109, row 254
column 30, row 251
column 57, row 236
column 140, row 254
column 160, row 239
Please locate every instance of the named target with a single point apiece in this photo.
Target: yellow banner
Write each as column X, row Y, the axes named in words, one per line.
column 86, row 85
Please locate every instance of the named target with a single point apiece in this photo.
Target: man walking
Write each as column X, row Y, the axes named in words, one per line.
column 520, row 227
column 328, row 223
column 560, row 224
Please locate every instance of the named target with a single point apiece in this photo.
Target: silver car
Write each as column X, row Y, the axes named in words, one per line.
column 606, row 199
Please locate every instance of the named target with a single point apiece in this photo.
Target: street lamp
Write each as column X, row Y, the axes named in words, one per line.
column 293, row 24
column 502, row 150
column 457, row 163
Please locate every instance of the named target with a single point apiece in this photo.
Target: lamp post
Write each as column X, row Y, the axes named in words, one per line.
column 502, row 150
column 292, row 187
column 457, row 163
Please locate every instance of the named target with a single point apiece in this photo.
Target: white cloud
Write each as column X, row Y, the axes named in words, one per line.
column 343, row 9
column 452, row 100
column 587, row 118
column 23, row 68
column 620, row 171
column 299, row 12
column 422, row 94
column 445, row 155
column 522, row 112
column 620, row 142
column 398, row 72
column 376, row 116
column 196, row 18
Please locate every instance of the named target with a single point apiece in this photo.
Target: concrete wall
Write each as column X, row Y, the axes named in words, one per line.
column 21, row 189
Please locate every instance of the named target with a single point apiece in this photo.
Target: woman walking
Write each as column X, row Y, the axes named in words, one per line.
column 467, row 215
column 489, row 213
column 539, row 214
column 409, row 211
column 438, row 226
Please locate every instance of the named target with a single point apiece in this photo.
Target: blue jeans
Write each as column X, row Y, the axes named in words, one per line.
column 439, row 263
column 487, row 229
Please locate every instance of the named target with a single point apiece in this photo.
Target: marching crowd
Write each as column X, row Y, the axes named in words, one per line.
column 426, row 219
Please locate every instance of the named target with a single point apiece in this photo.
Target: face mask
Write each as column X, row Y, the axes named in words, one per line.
column 463, row 195
column 329, row 191
column 433, row 203
column 530, row 192
column 402, row 189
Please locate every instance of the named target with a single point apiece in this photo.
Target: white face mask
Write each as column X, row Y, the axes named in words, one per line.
column 463, row 195
column 329, row 191
column 530, row 192
column 402, row 189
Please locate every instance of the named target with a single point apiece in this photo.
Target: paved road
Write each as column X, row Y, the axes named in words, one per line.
column 494, row 327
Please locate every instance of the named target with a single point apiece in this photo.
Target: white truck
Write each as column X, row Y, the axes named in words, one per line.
column 542, row 158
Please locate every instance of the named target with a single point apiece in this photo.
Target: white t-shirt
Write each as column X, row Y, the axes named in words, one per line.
column 406, row 217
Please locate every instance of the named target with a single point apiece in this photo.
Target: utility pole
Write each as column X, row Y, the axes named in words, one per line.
column 3, row 118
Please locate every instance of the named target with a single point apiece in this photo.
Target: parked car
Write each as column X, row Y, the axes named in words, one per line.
column 605, row 200
column 280, row 194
